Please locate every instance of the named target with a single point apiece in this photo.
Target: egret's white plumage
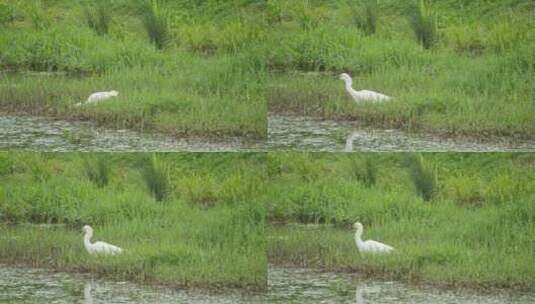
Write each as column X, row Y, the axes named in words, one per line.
column 98, row 96
column 369, row 246
column 363, row 95
column 98, row 248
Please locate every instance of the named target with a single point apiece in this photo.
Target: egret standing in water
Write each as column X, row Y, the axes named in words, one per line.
column 98, row 248
column 98, row 96
column 364, row 95
column 369, row 246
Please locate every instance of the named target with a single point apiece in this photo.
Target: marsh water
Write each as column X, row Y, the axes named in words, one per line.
column 312, row 134
column 44, row 134
column 26, row 285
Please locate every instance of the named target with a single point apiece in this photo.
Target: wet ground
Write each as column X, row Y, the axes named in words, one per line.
column 286, row 285
column 311, row 134
column 43, row 134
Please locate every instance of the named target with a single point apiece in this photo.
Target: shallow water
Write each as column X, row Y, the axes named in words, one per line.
column 305, row 286
column 43, row 134
column 304, row 133
column 26, row 285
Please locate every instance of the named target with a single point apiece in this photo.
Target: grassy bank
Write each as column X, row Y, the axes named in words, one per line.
column 172, row 75
column 473, row 76
column 454, row 219
column 182, row 219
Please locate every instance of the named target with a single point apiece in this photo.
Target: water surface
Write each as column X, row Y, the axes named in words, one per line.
column 43, row 134
column 305, row 286
column 286, row 285
column 26, row 285
column 312, row 134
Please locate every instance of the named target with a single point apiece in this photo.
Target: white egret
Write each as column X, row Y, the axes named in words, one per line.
column 364, row 95
column 98, row 96
column 98, row 248
column 369, row 246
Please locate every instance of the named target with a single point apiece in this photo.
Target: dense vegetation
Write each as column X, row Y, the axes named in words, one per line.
column 208, row 67
column 181, row 67
column 183, row 219
column 452, row 66
column 472, row 225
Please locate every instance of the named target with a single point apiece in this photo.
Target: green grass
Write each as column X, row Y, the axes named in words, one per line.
column 475, row 78
column 174, row 75
column 45, row 199
column 478, row 228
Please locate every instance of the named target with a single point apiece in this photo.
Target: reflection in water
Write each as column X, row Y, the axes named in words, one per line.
column 363, row 290
column 302, row 133
column 26, row 285
column 88, row 297
column 306, row 286
column 38, row 133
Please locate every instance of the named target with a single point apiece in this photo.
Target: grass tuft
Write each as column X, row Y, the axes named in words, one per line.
column 156, row 176
column 422, row 177
column 424, row 25
column 366, row 20
column 156, row 23
column 97, row 170
column 99, row 18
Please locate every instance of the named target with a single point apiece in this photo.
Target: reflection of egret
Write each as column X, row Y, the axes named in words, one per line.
column 369, row 246
column 88, row 297
column 100, row 248
column 349, row 141
column 363, row 95
column 98, row 96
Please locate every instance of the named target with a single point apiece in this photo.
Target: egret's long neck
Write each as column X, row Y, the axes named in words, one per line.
column 358, row 235
column 349, row 84
column 87, row 239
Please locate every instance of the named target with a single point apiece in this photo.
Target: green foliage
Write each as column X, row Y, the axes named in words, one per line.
column 156, row 22
column 421, row 176
column 156, row 175
column 45, row 199
column 482, row 204
column 99, row 18
column 365, row 171
column 7, row 14
column 366, row 20
column 424, row 24
column 97, row 169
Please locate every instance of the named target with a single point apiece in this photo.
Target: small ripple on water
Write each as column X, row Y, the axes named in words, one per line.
column 42, row 134
column 302, row 133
